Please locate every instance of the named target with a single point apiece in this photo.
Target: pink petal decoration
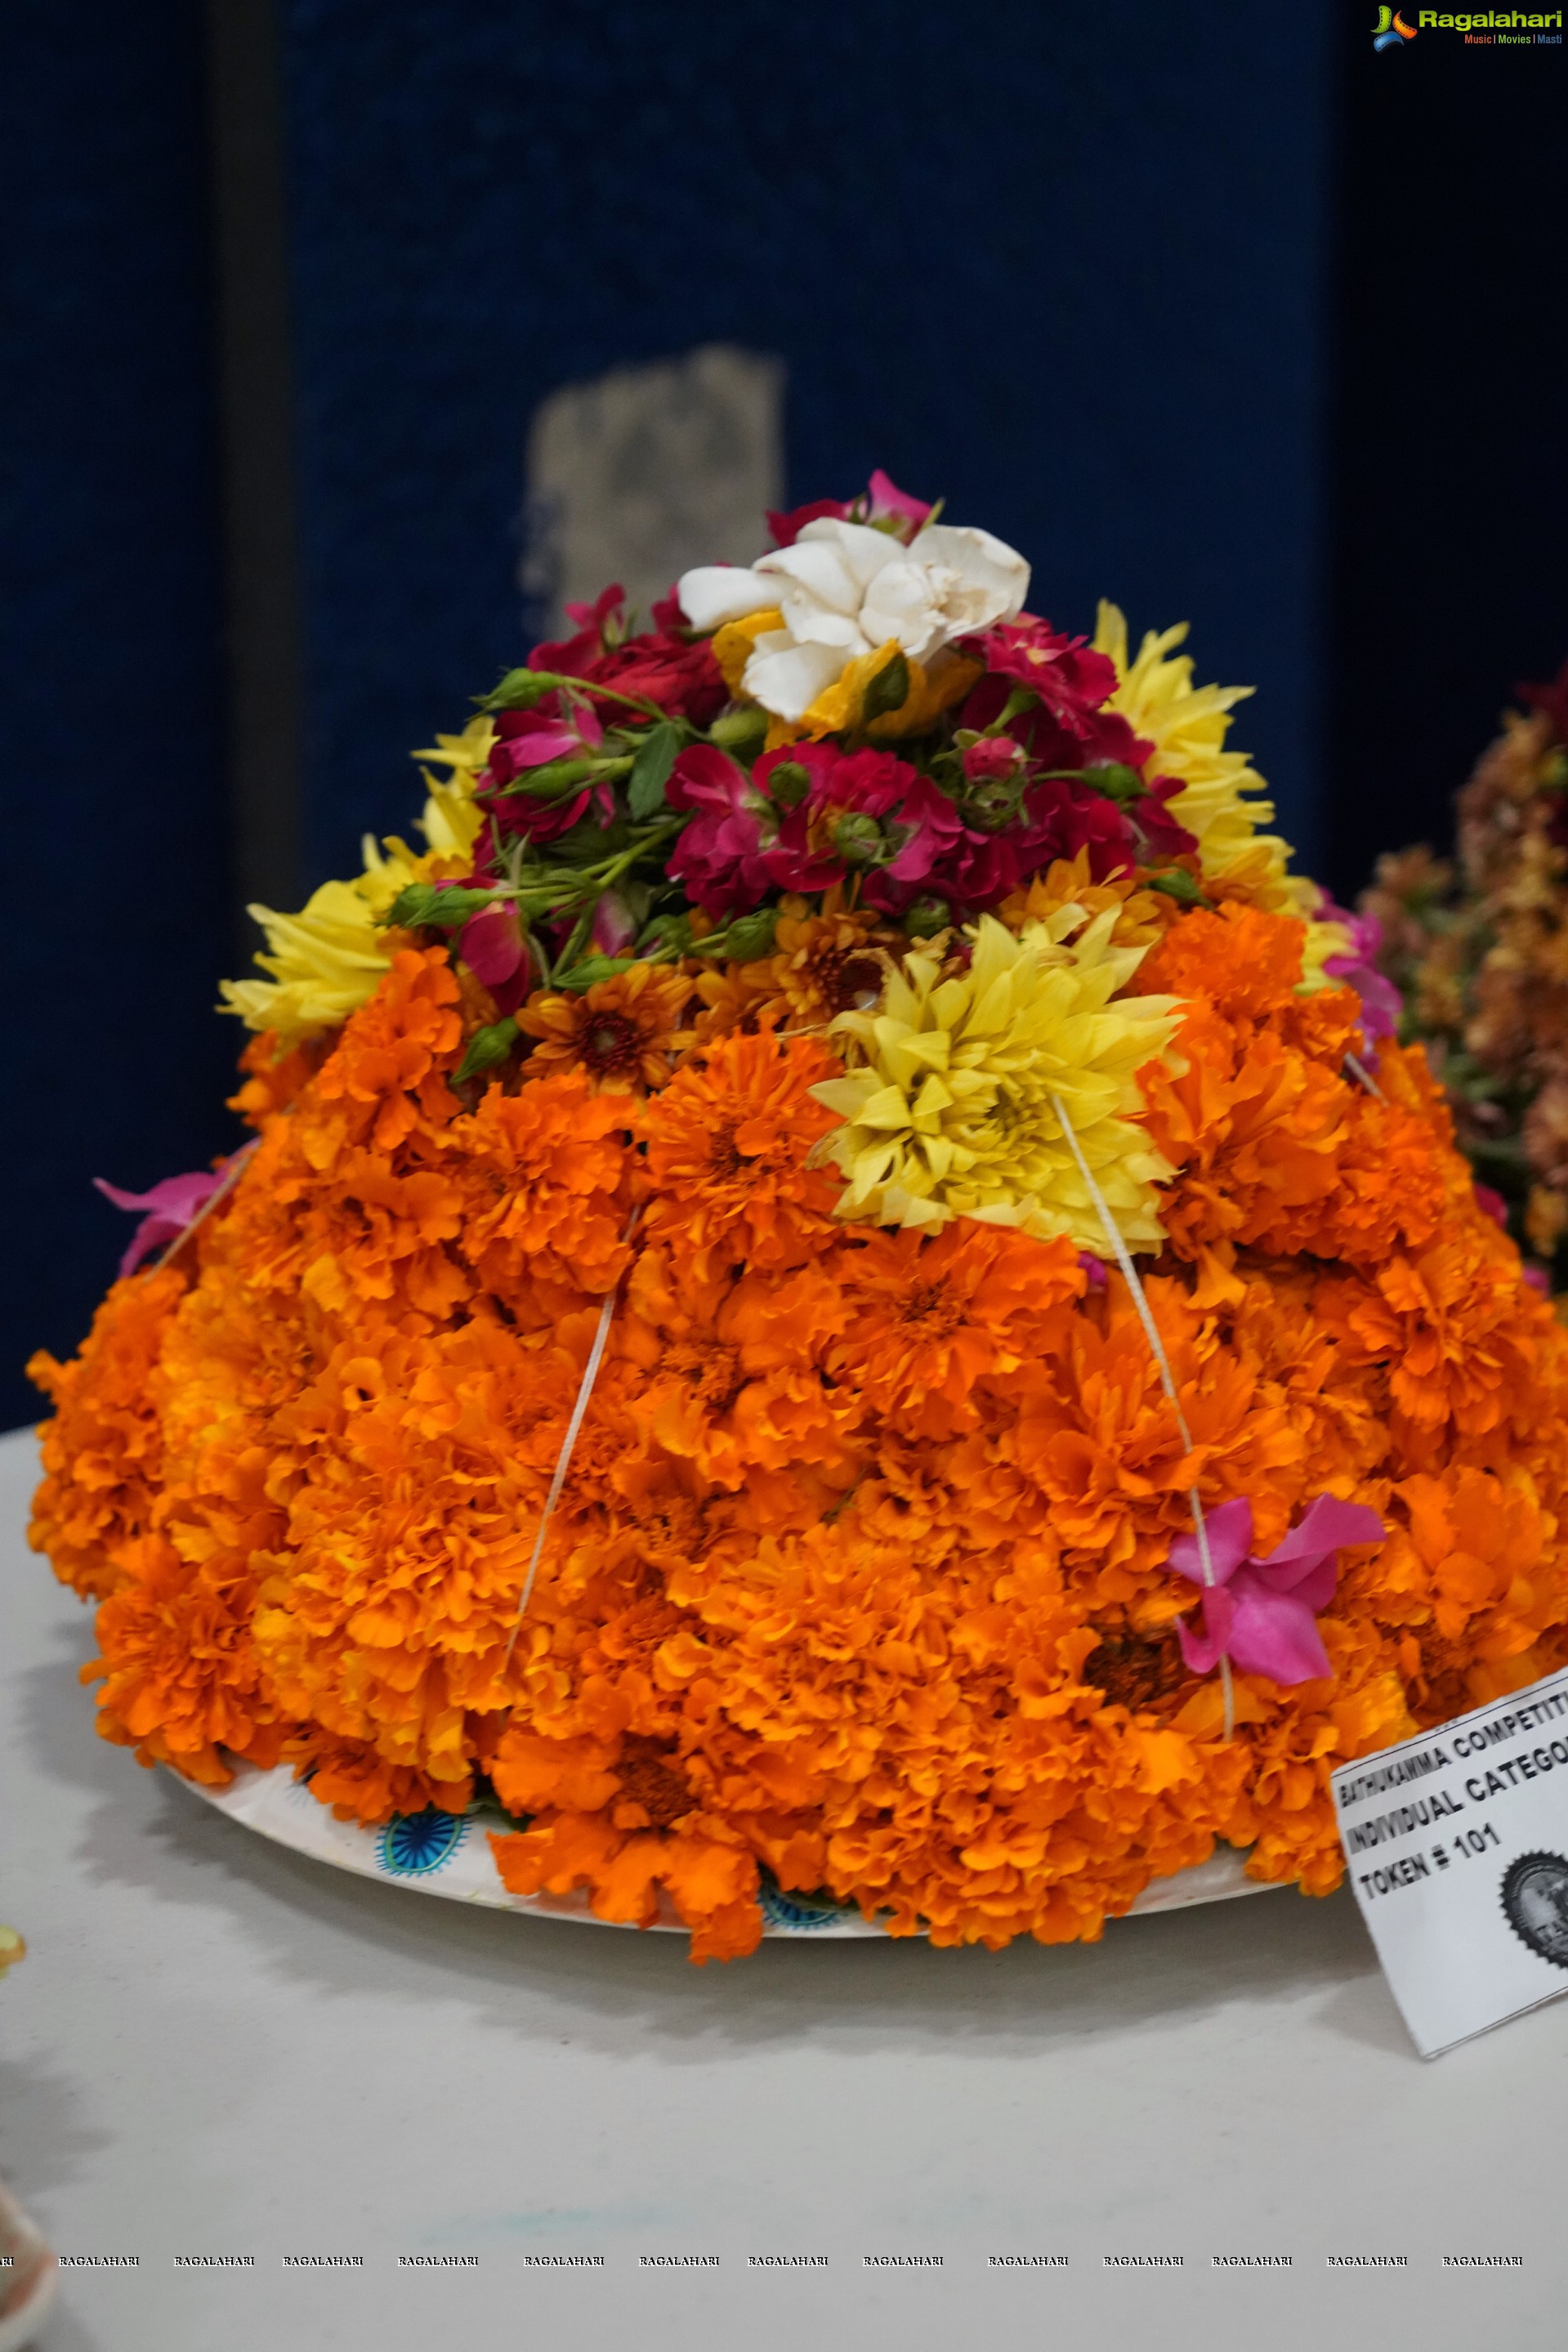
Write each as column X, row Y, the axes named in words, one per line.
column 491, row 944
column 171, row 1206
column 1262, row 1614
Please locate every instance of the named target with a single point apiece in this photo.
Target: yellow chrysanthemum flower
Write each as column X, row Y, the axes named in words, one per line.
column 950, row 1112
column 331, row 956
column 451, row 822
column 1187, row 727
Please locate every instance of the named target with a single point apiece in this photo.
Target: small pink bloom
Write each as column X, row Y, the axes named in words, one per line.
column 1071, row 679
column 719, row 856
column 1492, row 1204
column 170, row 1207
column 884, row 497
column 491, row 944
column 1381, row 1002
column 1262, row 1614
column 787, row 526
column 528, row 739
column 993, row 759
column 864, row 812
column 614, row 930
column 599, row 627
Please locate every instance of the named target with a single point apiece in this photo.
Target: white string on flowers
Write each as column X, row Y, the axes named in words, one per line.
column 1162, row 1364
column 567, row 1446
column 1360, row 1070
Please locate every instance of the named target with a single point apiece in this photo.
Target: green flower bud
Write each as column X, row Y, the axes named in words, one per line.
column 858, row 840
column 733, row 731
column 752, row 935
column 789, row 784
column 926, row 918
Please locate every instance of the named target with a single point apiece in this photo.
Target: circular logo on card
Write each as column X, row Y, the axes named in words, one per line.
column 1535, row 1903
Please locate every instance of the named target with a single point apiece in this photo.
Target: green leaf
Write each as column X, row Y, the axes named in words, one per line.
column 651, row 770
column 422, row 908
column 1177, row 884
column 521, row 689
column 888, row 690
column 591, row 971
column 488, row 1047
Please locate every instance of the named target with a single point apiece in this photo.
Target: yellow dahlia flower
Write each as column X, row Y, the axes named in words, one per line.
column 949, row 1112
column 1187, row 726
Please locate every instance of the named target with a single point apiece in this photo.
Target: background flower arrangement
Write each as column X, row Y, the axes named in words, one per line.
column 673, row 1353
column 1478, row 948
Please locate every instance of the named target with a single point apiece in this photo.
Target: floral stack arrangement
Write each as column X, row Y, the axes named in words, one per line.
column 1478, row 948
column 840, row 1286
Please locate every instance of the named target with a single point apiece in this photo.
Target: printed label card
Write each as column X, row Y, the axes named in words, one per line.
column 1457, row 1844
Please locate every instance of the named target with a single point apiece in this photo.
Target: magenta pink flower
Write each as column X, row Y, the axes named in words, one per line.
column 1071, row 680
column 719, row 857
column 531, row 740
column 883, row 497
column 528, row 739
column 880, row 500
column 614, row 930
column 1492, row 1204
column 862, row 812
column 994, row 759
column 600, row 627
column 789, row 523
column 1262, row 1614
column 170, row 1207
column 494, row 948
column 1381, row 1002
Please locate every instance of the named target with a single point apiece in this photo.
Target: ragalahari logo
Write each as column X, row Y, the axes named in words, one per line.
column 1391, row 31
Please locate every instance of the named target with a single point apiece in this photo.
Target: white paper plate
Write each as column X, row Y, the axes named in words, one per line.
column 450, row 1854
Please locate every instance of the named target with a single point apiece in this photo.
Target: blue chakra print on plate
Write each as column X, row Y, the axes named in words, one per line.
column 414, row 1845
column 798, row 1911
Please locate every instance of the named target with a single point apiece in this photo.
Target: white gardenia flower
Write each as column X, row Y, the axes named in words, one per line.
column 846, row 590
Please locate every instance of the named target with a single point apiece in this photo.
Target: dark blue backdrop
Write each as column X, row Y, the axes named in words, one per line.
column 1068, row 268
column 119, row 900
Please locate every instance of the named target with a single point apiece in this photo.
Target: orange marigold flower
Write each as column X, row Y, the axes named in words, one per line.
column 1276, row 1146
column 625, row 1031
column 275, row 1077
column 390, row 1064
column 711, row 1882
column 1453, row 1329
column 103, row 1451
column 860, row 1570
column 926, row 1318
column 728, row 1146
column 545, row 1176
column 180, row 1676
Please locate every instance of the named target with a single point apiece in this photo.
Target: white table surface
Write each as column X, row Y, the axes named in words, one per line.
column 216, row 2046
